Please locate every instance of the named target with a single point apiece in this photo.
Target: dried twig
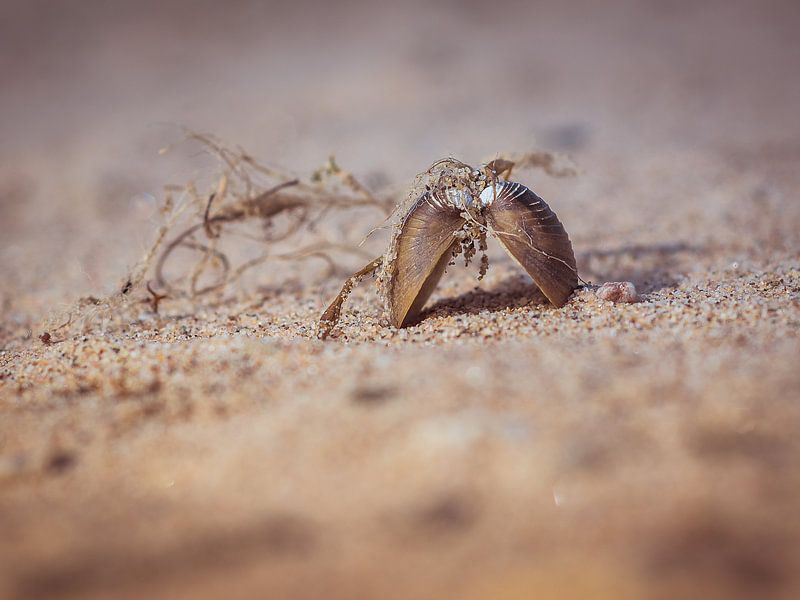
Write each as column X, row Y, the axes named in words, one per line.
column 155, row 298
column 331, row 316
column 301, row 204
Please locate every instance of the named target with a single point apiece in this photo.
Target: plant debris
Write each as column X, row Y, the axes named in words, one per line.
column 284, row 209
column 155, row 298
column 450, row 211
column 284, row 213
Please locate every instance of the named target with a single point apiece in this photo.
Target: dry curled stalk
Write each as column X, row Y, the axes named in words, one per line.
column 248, row 191
column 286, row 209
column 155, row 298
column 333, row 313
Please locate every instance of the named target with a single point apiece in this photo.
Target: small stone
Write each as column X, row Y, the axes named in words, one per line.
column 618, row 291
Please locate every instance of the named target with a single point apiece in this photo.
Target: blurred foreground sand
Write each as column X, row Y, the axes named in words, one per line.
column 499, row 449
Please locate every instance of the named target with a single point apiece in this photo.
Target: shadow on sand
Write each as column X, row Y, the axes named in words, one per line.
column 650, row 268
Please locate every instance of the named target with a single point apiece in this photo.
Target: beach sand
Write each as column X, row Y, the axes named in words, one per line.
column 500, row 448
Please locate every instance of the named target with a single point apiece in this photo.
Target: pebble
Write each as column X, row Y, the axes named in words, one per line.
column 618, row 292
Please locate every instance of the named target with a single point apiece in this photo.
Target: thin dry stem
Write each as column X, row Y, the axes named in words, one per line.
column 246, row 191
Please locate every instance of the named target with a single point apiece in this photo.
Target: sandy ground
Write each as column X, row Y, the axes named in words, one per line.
column 500, row 448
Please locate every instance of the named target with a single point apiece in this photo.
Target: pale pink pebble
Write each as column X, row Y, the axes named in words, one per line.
column 618, row 291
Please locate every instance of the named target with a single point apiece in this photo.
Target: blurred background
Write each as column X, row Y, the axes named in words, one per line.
column 598, row 451
column 92, row 90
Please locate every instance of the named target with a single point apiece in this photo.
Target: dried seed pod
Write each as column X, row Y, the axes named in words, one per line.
column 425, row 244
column 533, row 236
column 459, row 207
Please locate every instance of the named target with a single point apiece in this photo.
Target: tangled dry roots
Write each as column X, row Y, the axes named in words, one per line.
column 286, row 207
column 283, row 210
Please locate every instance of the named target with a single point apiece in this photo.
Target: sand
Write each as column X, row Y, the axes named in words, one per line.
column 500, row 448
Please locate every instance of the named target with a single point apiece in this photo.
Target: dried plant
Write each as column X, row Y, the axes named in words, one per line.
column 450, row 211
column 249, row 191
column 287, row 211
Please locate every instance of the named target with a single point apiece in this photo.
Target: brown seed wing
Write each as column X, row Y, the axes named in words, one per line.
column 425, row 245
column 532, row 234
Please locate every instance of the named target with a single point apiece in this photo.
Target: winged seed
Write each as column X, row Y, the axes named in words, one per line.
column 445, row 221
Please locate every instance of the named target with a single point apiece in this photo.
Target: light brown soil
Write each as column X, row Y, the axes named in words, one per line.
column 500, row 448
